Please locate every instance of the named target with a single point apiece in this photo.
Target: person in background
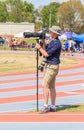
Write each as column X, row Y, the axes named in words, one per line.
column 52, row 55
column 71, row 47
column 66, row 47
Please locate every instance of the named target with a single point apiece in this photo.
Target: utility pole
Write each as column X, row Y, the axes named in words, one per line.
column 50, row 19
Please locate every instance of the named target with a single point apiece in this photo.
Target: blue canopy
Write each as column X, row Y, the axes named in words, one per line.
column 79, row 37
column 68, row 34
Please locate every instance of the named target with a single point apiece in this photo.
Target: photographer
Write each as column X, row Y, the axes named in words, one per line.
column 52, row 55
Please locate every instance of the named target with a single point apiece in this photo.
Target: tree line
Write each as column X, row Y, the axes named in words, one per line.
column 68, row 15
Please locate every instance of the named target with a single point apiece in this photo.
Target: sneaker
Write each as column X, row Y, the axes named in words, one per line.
column 52, row 109
column 45, row 110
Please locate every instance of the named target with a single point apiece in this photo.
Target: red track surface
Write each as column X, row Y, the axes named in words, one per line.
column 36, row 117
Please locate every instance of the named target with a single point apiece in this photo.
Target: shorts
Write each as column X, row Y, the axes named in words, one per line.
column 71, row 48
column 66, row 49
column 51, row 71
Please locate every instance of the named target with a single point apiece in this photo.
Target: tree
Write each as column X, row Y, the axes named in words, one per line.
column 14, row 10
column 28, row 12
column 18, row 11
column 49, row 16
column 2, row 12
column 71, row 15
column 37, row 20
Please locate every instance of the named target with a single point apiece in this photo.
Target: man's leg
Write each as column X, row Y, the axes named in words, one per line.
column 53, row 98
column 53, row 95
column 45, row 92
column 46, row 95
column 45, row 108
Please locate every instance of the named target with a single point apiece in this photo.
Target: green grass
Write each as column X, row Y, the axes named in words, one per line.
column 5, row 47
column 71, row 108
column 68, row 108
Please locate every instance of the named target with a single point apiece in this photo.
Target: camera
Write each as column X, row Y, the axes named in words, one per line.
column 41, row 66
column 40, row 35
column 35, row 35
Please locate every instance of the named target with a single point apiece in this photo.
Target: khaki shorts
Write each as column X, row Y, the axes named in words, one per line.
column 50, row 75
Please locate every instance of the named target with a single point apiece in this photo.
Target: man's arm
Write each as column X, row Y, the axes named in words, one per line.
column 43, row 51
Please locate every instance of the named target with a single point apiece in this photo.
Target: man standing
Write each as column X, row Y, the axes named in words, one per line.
column 52, row 54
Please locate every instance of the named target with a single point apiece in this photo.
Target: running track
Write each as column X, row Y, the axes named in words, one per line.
column 18, row 96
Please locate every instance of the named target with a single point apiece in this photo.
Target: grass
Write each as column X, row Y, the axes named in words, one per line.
column 16, row 63
column 5, row 47
column 12, row 63
column 71, row 108
column 68, row 108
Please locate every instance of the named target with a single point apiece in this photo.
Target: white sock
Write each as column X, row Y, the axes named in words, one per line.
column 45, row 105
column 53, row 106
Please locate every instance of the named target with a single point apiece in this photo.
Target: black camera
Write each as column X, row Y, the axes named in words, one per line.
column 35, row 35
column 41, row 66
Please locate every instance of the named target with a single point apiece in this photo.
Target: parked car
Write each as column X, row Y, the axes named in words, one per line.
column 2, row 41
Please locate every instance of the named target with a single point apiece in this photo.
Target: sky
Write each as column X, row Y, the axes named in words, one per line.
column 37, row 3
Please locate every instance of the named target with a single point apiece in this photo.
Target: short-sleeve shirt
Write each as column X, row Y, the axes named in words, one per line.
column 66, row 45
column 54, row 50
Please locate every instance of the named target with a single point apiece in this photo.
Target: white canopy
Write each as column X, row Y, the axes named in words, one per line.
column 63, row 37
column 20, row 35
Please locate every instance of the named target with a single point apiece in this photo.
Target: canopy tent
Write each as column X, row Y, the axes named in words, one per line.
column 47, row 36
column 79, row 37
column 63, row 37
column 67, row 34
column 20, row 35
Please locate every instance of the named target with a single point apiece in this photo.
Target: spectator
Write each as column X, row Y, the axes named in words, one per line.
column 71, row 47
column 66, row 46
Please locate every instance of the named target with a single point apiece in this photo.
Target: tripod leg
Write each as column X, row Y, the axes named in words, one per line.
column 37, row 79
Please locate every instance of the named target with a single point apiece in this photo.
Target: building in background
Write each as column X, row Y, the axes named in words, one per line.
column 14, row 28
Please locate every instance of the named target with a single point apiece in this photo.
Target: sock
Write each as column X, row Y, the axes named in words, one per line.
column 45, row 105
column 53, row 106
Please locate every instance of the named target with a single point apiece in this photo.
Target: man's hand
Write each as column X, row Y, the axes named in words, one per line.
column 37, row 46
column 43, row 52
